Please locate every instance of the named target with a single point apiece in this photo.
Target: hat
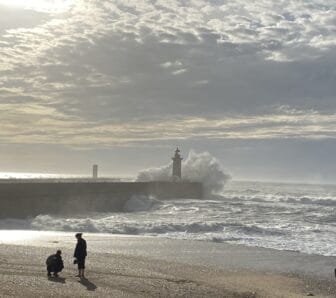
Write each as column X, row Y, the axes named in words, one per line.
column 78, row 234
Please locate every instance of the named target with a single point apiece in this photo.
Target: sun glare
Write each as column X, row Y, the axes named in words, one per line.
column 50, row 6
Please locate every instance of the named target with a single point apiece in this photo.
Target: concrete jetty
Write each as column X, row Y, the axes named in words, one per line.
column 27, row 198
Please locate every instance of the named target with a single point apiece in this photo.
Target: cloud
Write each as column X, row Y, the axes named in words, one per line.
column 179, row 71
column 34, row 124
column 170, row 64
column 289, row 30
column 125, row 72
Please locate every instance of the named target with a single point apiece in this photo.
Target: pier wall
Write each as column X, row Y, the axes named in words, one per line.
column 28, row 199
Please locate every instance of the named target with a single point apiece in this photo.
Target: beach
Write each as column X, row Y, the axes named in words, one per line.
column 122, row 266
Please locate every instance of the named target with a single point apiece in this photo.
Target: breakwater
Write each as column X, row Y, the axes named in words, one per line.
column 21, row 199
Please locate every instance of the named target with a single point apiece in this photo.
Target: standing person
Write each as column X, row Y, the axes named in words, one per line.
column 54, row 263
column 80, row 254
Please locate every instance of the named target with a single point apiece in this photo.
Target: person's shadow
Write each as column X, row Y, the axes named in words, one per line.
column 88, row 284
column 57, row 279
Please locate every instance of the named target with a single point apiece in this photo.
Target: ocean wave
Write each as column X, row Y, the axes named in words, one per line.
column 109, row 225
column 328, row 219
column 255, row 230
column 116, row 225
column 311, row 201
column 48, row 222
column 273, row 198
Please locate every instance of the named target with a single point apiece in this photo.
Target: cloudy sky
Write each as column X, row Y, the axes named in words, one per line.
column 121, row 83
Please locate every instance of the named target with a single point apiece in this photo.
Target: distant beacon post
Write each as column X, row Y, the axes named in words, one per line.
column 177, row 164
column 95, row 171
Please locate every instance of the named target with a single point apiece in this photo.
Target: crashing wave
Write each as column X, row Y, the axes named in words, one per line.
column 198, row 167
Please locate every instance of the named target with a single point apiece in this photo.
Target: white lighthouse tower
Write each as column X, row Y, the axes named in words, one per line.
column 177, row 169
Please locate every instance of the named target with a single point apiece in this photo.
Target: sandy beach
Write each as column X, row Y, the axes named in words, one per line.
column 130, row 273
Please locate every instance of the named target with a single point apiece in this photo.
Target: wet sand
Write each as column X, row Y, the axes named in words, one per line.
column 119, row 267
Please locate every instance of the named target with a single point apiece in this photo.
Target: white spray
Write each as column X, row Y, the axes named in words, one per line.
column 201, row 167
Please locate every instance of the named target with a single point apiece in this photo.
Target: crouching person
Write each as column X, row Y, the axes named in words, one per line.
column 55, row 263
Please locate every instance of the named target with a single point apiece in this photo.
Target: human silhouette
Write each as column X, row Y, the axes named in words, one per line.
column 55, row 263
column 80, row 255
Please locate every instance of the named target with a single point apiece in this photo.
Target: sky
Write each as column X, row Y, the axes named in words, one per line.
column 121, row 83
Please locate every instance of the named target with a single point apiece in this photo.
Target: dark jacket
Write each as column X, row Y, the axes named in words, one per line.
column 80, row 250
column 55, row 263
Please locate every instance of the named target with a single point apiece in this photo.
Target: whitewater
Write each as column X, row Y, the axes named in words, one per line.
column 295, row 217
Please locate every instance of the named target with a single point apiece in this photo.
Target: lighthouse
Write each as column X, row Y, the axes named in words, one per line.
column 177, row 164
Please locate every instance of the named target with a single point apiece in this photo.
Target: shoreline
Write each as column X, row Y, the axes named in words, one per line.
column 193, row 252
column 136, row 266
column 23, row 274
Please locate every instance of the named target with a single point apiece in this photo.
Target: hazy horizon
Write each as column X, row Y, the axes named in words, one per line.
column 36, row 175
column 121, row 84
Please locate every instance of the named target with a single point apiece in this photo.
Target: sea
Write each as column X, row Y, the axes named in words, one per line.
column 282, row 216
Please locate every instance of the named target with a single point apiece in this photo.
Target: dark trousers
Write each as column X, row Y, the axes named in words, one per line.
column 81, row 263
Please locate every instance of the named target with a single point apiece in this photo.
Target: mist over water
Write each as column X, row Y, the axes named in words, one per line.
column 273, row 215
